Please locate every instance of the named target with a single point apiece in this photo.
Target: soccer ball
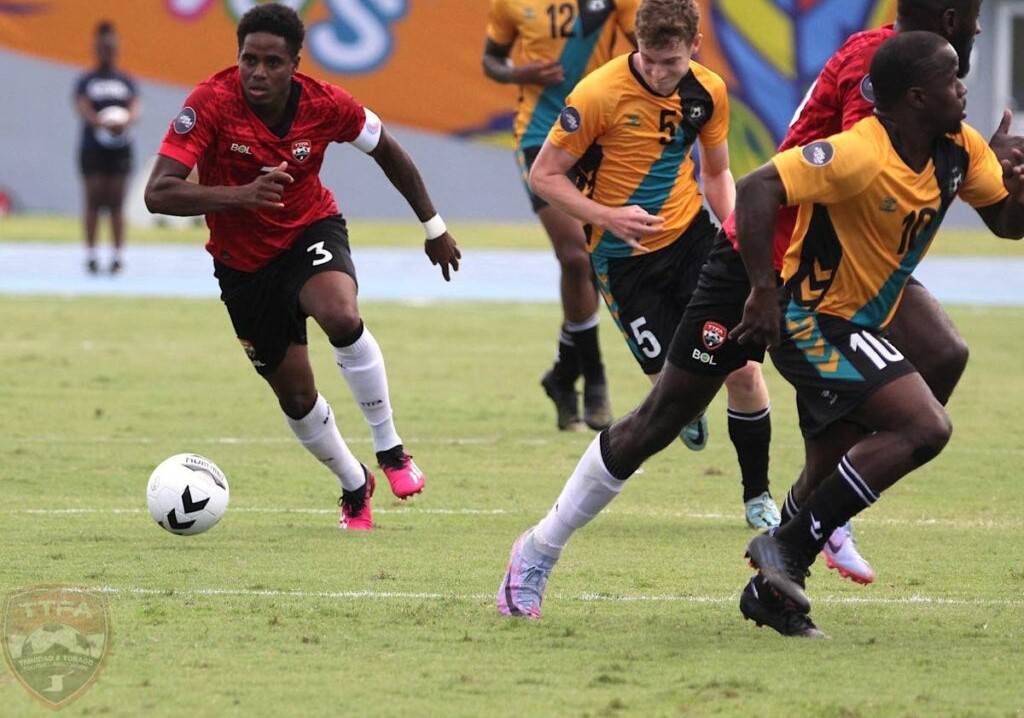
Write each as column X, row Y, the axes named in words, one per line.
column 187, row 494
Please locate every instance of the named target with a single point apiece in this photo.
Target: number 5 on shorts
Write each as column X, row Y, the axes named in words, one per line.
column 645, row 338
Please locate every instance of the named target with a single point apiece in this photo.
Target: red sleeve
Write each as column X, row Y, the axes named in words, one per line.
column 194, row 127
column 853, row 86
column 351, row 116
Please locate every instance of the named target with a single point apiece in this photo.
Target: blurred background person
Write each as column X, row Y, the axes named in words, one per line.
column 557, row 46
column 107, row 101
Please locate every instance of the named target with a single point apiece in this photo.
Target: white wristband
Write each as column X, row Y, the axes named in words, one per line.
column 435, row 227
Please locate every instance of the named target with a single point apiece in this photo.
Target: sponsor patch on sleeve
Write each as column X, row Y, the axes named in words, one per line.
column 570, row 119
column 185, row 121
column 867, row 91
column 818, row 153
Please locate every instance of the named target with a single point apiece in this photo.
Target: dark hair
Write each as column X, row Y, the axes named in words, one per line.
column 662, row 23
column 105, row 27
column 903, row 61
column 926, row 13
column 276, row 19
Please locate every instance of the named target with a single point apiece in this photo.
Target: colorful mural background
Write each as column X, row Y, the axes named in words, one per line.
column 417, row 62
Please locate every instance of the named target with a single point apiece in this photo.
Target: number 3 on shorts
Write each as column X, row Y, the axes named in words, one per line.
column 645, row 338
column 322, row 255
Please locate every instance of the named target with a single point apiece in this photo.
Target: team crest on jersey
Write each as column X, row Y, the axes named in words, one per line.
column 955, row 180
column 301, row 149
column 185, row 121
column 597, row 5
column 696, row 113
column 819, row 153
column 570, row 119
column 250, row 351
column 713, row 335
column 867, row 90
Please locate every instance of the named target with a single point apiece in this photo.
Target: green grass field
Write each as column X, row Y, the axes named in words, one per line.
column 275, row 612
column 374, row 233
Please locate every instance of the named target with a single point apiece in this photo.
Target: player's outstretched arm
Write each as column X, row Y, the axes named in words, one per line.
column 169, row 192
column 758, row 196
column 402, row 173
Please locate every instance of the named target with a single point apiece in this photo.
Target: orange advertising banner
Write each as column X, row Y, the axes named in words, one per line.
column 418, row 62
column 414, row 62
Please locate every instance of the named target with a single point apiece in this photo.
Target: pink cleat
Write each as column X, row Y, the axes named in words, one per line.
column 355, row 506
column 405, row 477
column 841, row 555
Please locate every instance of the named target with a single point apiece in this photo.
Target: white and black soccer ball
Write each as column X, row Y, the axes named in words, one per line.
column 187, row 494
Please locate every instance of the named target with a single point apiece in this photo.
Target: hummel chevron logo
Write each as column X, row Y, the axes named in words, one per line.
column 815, row 528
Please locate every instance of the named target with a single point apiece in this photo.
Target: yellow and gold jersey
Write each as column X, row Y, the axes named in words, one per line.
column 635, row 145
column 866, row 219
column 580, row 34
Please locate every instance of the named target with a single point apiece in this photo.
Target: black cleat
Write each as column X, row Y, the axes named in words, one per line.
column 116, row 267
column 780, row 568
column 597, row 409
column 566, row 399
column 92, row 266
column 765, row 608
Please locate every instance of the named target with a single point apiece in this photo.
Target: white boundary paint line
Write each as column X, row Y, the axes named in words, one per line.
column 942, row 523
column 584, row 597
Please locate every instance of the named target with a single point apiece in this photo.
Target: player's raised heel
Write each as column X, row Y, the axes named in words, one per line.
column 401, row 471
column 780, row 569
column 841, row 555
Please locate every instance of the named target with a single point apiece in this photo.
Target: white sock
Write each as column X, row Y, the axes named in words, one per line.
column 587, row 323
column 319, row 434
column 590, row 488
column 362, row 365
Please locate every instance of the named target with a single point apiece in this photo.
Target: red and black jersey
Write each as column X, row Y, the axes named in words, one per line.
column 219, row 133
column 838, row 99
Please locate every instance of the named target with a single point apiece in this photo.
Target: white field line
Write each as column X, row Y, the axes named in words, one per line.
column 584, row 597
column 958, row 523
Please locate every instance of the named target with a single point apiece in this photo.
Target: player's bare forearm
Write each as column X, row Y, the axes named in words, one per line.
column 168, row 191
column 400, row 170
column 1005, row 219
column 758, row 196
column 720, row 189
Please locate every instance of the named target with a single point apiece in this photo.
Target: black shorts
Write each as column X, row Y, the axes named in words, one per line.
column 525, row 158
column 101, row 161
column 647, row 294
column 264, row 305
column 834, row 365
column 702, row 343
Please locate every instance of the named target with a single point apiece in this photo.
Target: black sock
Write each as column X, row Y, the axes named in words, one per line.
column 589, row 351
column 609, row 461
column 351, row 338
column 751, row 434
column 567, row 362
column 790, row 508
column 839, row 498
